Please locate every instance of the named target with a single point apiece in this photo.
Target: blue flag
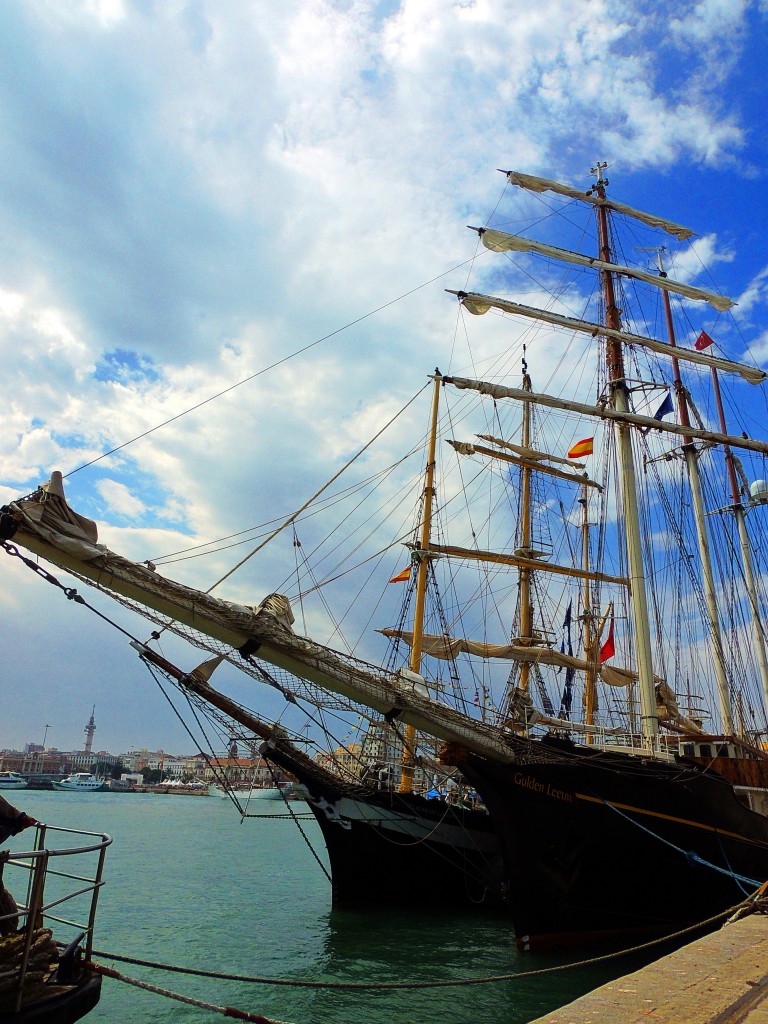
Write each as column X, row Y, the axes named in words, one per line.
column 666, row 407
column 567, row 698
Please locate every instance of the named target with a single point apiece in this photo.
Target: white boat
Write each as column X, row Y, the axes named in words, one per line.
column 80, row 782
column 257, row 793
column 12, row 780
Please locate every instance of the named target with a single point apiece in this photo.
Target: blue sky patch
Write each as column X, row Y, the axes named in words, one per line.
column 126, row 367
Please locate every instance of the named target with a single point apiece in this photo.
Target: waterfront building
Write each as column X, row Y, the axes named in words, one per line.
column 242, row 772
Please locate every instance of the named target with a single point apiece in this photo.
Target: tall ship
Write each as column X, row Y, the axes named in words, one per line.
column 580, row 650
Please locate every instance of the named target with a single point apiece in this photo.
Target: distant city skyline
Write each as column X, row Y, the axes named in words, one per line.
column 33, row 747
column 184, row 745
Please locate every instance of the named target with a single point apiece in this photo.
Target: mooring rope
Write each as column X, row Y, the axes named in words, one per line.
column 225, row 1011
column 756, row 903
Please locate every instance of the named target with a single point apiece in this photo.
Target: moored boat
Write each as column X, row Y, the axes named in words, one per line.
column 12, row 780
column 45, row 957
column 80, row 782
column 255, row 793
column 385, row 848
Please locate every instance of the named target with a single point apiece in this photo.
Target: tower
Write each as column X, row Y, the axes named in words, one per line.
column 90, row 729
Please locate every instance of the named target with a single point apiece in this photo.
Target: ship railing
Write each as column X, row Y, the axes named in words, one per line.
column 628, row 742
column 633, row 743
column 53, row 880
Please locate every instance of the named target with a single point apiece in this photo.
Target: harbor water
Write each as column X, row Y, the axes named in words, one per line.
column 190, row 884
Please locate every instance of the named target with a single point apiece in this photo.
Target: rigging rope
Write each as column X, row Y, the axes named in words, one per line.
column 272, row 366
column 295, row 515
column 690, row 855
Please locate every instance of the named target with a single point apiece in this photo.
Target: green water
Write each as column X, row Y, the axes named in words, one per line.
column 188, row 883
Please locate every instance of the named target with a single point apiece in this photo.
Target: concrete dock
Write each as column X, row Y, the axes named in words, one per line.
column 720, row 979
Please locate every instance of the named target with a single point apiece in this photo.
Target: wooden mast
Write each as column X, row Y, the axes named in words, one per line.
column 526, row 617
column 422, row 555
column 619, row 393
column 694, row 479
column 740, row 516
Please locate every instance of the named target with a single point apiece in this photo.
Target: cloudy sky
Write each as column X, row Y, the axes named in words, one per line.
column 194, row 192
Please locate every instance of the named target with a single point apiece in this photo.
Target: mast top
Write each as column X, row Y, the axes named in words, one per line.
column 601, row 181
column 527, row 385
column 659, row 250
column 535, row 184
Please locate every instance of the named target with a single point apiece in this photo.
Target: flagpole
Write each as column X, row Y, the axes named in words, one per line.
column 697, row 500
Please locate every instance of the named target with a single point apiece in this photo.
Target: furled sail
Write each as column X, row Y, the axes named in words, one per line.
column 502, row 558
column 44, row 524
column 500, row 241
column 448, row 648
column 530, row 453
column 669, row 710
column 523, row 714
column 607, row 413
column 468, row 448
column 533, row 184
column 475, row 302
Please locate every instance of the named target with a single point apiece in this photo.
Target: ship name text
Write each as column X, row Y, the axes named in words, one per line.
column 545, row 788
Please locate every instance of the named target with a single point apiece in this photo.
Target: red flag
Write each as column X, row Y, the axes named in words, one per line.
column 609, row 648
column 402, row 577
column 581, row 448
column 703, row 341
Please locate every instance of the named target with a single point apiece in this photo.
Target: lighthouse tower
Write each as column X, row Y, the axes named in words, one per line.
column 90, row 729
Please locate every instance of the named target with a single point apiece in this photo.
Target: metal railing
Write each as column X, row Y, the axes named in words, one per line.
column 52, row 881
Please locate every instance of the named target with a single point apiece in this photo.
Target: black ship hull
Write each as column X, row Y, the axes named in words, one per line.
column 600, row 845
column 394, row 849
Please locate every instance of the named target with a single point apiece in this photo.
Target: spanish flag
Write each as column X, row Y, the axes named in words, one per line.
column 402, row 577
column 581, row 448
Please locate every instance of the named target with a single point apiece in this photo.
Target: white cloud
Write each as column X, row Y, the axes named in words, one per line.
column 710, row 20
column 699, row 258
column 192, row 192
column 754, row 294
column 119, row 500
column 758, row 348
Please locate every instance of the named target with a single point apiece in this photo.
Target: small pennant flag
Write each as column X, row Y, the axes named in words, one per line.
column 666, row 407
column 581, row 448
column 402, row 577
column 609, row 648
column 703, row 341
